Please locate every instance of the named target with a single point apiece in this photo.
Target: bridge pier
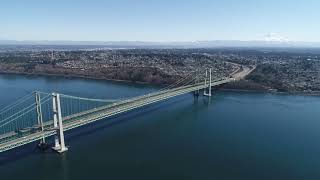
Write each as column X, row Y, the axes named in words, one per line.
column 196, row 94
column 210, row 84
column 42, row 144
column 59, row 143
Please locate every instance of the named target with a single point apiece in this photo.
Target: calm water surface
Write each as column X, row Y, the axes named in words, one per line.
column 233, row 135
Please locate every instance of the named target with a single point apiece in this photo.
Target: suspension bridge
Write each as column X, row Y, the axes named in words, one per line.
column 40, row 115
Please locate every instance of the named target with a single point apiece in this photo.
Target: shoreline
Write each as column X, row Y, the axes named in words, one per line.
column 80, row 77
column 312, row 93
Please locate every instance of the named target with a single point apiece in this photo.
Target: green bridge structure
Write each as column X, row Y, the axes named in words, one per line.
column 40, row 115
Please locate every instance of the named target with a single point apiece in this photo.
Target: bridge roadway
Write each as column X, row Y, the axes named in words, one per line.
column 96, row 114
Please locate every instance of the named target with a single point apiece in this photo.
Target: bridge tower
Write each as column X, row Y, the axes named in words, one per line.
column 39, row 116
column 210, row 83
column 196, row 81
column 59, row 143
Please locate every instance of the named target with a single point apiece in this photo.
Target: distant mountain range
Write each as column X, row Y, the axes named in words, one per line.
column 194, row 44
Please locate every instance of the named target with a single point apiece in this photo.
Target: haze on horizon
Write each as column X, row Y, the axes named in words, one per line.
column 160, row 21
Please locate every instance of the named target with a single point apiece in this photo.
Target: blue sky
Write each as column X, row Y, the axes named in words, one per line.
column 159, row 20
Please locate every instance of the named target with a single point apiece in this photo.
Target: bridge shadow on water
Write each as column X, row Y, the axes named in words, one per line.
column 92, row 128
column 121, row 118
column 118, row 119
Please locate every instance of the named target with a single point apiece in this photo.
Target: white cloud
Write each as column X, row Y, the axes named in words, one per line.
column 275, row 37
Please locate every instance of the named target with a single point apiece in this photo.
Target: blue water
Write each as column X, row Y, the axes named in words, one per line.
column 233, row 135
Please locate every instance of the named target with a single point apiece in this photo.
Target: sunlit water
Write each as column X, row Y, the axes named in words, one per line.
column 234, row 135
